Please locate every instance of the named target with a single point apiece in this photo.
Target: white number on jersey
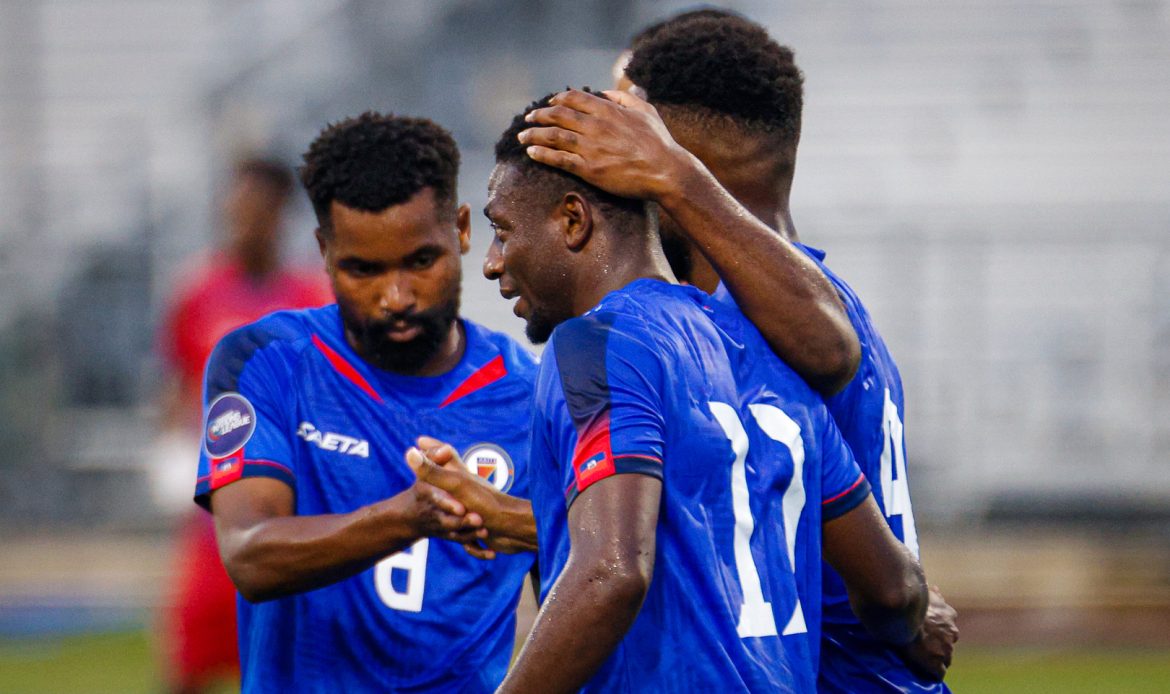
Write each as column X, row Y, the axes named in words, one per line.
column 412, row 560
column 895, row 491
column 755, row 617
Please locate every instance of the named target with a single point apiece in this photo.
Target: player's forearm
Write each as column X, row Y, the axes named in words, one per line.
column 287, row 555
column 515, row 525
column 894, row 614
column 586, row 615
column 887, row 588
column 779, row 289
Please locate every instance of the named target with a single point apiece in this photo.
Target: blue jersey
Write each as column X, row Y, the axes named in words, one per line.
column 287, row 398
column 869, row 413
column 645, row 383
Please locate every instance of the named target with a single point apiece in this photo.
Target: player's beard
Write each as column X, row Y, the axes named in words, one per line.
column 540, row 325
column 408, row 357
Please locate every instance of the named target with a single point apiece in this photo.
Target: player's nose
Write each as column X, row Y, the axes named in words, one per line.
column 397, row 295
column 493, row 262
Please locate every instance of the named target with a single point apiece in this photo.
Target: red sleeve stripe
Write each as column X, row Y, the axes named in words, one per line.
column 860, row 479
column 654, row 458
column 345, row 368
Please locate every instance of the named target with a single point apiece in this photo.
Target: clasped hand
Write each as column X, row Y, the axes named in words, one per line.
column 508, row 524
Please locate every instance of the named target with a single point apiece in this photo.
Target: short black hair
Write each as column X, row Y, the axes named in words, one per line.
column 552, row 180
column 700, row 12
column 722, row 66
column 275, row 173
column 375, row 161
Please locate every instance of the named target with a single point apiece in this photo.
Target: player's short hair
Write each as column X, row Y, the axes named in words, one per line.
column 376, row 161
column 700, row 12
column 554, row 182
column 275, row 173
column 713, row 68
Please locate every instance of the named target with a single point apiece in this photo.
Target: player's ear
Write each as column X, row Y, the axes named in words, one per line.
column 322, row 243
column 576, row 221
column 463, row 227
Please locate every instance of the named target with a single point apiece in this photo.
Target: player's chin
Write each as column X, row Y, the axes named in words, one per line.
column 538, row 328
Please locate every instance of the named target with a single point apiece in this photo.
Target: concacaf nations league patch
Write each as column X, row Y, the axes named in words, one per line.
column 492, row 463
column 230, row 423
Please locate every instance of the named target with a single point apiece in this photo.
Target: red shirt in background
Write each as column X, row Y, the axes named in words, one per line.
column 219, row 297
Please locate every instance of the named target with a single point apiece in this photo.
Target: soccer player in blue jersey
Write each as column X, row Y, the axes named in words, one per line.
column 342, row 559
column 652, row 465
column 731, row 96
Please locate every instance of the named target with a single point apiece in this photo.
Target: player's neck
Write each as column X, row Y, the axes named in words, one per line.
column 617, row 267
column 774, row 213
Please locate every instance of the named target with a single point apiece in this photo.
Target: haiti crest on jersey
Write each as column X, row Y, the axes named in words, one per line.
column 229, row 424
column 492, row 463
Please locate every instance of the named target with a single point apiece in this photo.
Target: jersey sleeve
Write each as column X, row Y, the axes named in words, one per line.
column 843, row 485
column 246, row 417
column 612, row 378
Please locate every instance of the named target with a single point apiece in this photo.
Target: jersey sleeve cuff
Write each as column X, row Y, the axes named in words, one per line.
column 247, row 468
column 626, row 464
column 846, row 501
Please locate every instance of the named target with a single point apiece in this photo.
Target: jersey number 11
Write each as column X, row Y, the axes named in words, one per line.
column 755, row 616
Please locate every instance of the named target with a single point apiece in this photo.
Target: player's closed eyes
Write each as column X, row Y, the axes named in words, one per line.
column 357, row 268
column 422, row 261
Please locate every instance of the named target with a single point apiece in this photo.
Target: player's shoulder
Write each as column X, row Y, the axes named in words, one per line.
column 874, row 351
column 641, row 310
column 852, row 301
column 276, row 340
column 634, row 323
column 518, row 361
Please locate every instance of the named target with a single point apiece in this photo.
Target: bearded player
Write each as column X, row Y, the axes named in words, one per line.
column 338, row 553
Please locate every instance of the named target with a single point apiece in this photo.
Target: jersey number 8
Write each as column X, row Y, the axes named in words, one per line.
column 413, row 562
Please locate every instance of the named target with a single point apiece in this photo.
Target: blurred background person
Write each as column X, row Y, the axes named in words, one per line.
column 240, row 282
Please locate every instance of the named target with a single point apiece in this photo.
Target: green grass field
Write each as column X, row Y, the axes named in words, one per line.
column 124, row 664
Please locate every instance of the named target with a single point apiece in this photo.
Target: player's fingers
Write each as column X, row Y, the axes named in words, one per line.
column 464, row 536
column 446, row 503
column 428, row 442
column 472, row 520
column 561, row 116
column 427, row 471
column 448, row 524
column 510, row 546
column 443, row 454
column 630, row 99
column 580, row 101
column 446, row 478
column 479, row 552
column 417, row 462
column 566, row 161
column 556, row 138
